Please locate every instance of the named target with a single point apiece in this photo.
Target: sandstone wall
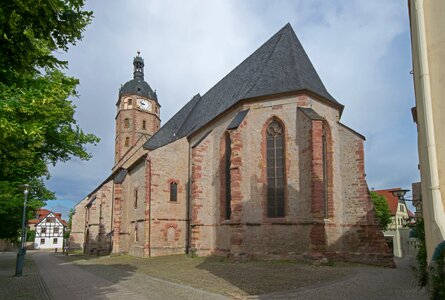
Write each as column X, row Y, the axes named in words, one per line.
column 167, row 232
column 77, row 234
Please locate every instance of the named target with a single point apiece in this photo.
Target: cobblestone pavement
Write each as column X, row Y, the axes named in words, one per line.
column 28, row 286
column 46, row 276
column 66, row 281
column 369, row 284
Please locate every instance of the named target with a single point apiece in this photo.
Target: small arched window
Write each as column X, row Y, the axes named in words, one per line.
column 275, row 169
column 127, row 123
column 127, row 141
column 144, row 124
column 227, row 158
column 173, row 192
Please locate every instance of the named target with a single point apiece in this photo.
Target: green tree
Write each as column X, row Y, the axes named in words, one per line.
column 30, row 32
column 37, row 125
column 382, row 209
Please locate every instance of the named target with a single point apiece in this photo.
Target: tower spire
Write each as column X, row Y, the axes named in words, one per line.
column 138, row 63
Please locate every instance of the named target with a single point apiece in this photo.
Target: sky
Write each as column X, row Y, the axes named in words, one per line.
column 360, row 49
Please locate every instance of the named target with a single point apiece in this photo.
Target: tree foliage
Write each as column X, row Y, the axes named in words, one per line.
column 37, row 125
column 30, row 32
column 382, row 209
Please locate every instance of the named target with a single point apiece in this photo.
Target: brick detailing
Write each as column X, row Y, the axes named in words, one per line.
column 317, row 185
column 302, row 101
column 330, row 169
column 222, row 177
column 237, row 231
column 197, row 201
column 318, row 240
column 171, row 227
column 117, row 217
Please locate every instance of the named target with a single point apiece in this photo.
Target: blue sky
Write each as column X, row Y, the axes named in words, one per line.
column 360, row 49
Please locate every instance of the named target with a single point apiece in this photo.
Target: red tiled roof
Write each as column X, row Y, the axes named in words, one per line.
column 42, row 213
column 393, row 201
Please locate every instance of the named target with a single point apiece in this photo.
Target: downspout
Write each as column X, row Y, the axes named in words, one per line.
column 433, row 176
column 188, row 236
column 112, row 218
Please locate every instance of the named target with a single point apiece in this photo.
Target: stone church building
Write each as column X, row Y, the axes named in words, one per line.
column 259, row 166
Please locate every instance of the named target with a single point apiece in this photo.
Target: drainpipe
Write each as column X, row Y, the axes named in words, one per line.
column 112, row 218
column 433, row 174
column 189, row 185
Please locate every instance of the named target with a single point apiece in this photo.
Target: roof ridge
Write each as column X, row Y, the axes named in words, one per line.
column 268, row 59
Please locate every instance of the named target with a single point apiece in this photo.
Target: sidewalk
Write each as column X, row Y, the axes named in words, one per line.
column 66, row 281
column 50, row 276
column 29, row 286
column 369, row 284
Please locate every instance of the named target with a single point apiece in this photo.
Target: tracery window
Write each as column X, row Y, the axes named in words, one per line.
column 275, row 169
column 228, row 196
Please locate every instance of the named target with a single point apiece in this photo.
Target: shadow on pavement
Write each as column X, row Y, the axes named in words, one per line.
column 258, row 277
column 76, row 278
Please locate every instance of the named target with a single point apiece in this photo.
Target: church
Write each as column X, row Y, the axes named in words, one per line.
column 260, row 166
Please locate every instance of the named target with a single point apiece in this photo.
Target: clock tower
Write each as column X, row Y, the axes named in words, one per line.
column 138, row 111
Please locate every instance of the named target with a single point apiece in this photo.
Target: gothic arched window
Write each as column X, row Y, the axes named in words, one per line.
column 227, row 157
column 275, row 169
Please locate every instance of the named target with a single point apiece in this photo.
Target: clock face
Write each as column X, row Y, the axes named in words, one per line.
column 144, row 104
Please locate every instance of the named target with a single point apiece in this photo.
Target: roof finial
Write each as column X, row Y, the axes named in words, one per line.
column 139, row 53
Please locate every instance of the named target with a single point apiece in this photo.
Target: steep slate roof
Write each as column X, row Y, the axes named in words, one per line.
column 171, row 131
column 279, row 65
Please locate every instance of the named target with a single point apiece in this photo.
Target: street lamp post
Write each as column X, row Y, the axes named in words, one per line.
column 22, row 250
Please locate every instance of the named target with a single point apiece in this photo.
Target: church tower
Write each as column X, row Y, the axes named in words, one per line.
column 137, row 111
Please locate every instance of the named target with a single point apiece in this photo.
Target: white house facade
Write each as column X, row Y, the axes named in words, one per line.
column 49, row 232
